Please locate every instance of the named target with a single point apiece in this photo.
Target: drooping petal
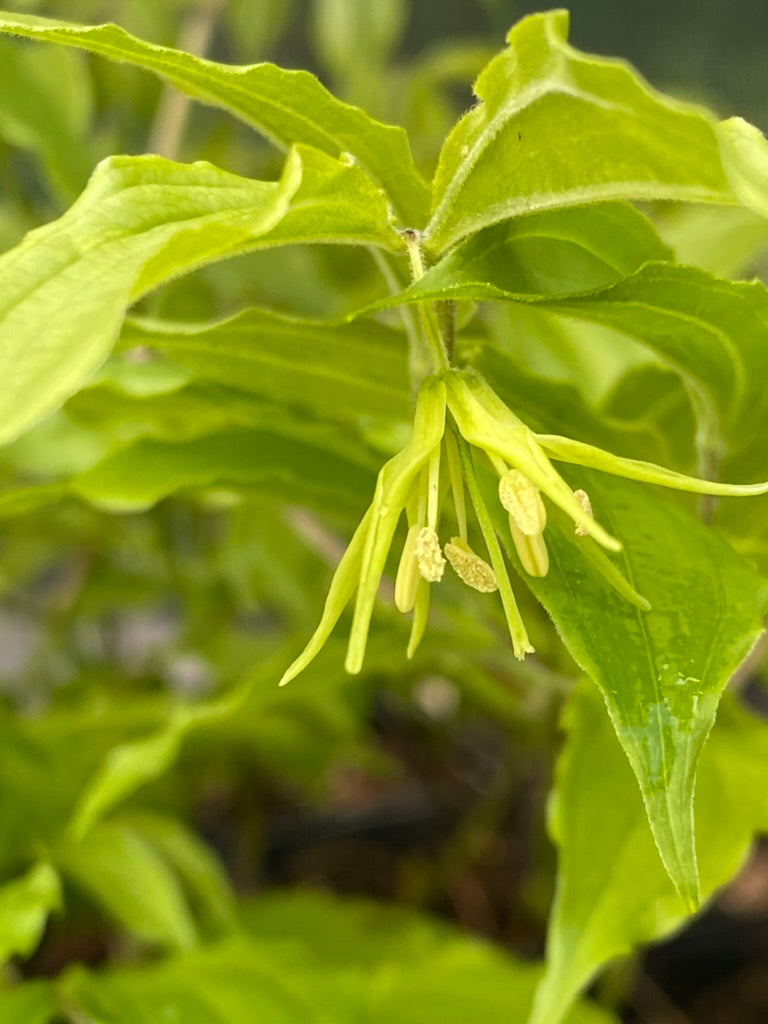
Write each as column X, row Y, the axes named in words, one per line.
column 485, row 422
column 564, row 449
column 393, row 488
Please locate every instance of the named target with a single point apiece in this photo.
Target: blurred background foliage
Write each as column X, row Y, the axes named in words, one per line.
column 421, row 782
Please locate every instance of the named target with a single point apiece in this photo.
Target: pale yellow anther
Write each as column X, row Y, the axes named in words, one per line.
column 583, row 499
column 523, row 502
column 532, row 551
column 469, row 567
column 429, row 557
column 407, row 579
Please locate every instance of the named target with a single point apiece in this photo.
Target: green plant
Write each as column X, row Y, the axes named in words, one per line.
column 516, row 313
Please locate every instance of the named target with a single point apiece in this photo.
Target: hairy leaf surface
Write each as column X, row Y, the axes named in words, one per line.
column 554, row 127
column 140, row 221
column 287, row 107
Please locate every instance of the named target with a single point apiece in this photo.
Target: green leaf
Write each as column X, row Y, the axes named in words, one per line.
column 25, row 905
column 612, row 893
column 305, row 468
column 128, row 766
column 140, row 221
column 287, row 107
column 552, row 253
column 661, row 672
column 711, row 331
column 31, row 1003
column 557, row 128
column 122, row 872
column 375, row 964
column 341, row 372
column 45, row 107
column 744, row 151
column 336, row 202
column 200, row 873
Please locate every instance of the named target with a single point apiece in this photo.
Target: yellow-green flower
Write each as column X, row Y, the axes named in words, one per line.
column 457, row 413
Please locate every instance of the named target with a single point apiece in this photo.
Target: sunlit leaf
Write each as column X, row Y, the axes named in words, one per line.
column 287, row 106
column 65, row 288
column 555, row 127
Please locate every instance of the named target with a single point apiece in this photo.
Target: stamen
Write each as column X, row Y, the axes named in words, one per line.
column 429, row 558
column 469, row 567
column 532, row 551
column 457, row 482
column 583, row 499
column 523, row 502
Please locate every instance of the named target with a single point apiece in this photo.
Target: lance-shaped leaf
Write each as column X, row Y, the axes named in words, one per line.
column 612, row 892
column 65, row 288
column 661, row 672
column 552, row 253
column 287, row 107
column 298, row 468
column 555, row 127
column 713, row 332
column 339, row 371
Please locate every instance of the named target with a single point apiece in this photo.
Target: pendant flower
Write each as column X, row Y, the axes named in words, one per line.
column 458, row 412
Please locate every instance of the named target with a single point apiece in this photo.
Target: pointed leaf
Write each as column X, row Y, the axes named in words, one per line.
column 305, row 468
column 65, row 288
column 661, row 672
column 612, row 893
column 555, row 127
column 552, row 253
column 713, row 332
column 341, row 372
column 287, row 107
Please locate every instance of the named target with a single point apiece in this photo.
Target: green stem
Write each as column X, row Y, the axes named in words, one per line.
column 431, row 339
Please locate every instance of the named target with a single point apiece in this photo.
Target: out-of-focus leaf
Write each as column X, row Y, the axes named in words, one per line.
column 373, row 963
column 132, row 764
column 286, row 106
column 25, row 904
column 31, row 1003
column 195, row 865
column 304, row 469
column 340, row 372
column 45, row 107
column 725, row 240
column 140, row 221
column 555, row 127
column 612, row 892
column 122, row 872
column 661, row 672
